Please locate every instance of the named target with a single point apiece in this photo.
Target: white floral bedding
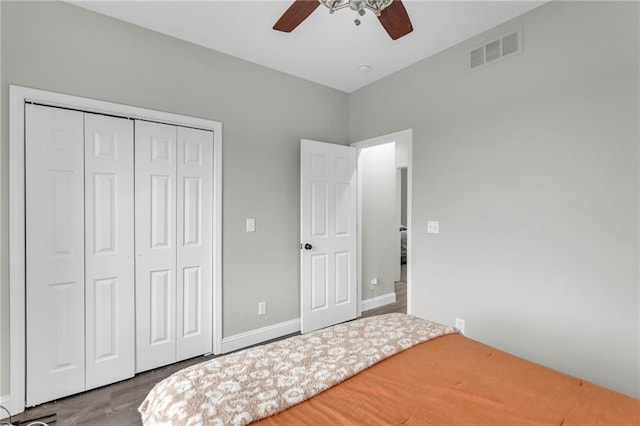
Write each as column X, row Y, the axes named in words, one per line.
column 246, row 386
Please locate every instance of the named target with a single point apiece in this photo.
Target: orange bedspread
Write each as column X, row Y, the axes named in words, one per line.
column 455, row 380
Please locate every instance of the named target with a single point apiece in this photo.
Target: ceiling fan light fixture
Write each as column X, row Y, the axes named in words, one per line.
column 376, row 6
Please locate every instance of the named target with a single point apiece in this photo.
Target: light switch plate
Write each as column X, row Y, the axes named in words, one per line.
column 251, row 225
column 433, row 227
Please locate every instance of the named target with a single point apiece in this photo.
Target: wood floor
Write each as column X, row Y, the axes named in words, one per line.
column 117, row 404
column 400, row 304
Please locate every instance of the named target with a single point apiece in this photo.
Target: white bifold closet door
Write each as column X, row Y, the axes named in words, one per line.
column 194, row 263
column 174, row 248
column 54, row 182
column 109, row 251
column 79, row 251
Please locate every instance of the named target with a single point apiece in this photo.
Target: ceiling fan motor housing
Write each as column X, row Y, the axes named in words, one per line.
column 356, row 5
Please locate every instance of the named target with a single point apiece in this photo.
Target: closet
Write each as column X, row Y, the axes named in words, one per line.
column 118, row 248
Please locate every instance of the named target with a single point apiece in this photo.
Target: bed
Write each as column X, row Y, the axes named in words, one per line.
column 389, row 369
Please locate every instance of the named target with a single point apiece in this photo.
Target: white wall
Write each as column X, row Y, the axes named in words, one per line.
column 59, row 47
column 380, row 218
column 531, row 166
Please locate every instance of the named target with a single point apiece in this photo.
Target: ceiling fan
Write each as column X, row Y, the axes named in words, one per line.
column 391, row 14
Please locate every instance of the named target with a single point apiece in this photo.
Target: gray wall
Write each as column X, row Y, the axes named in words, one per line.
column 531, row 166
column 380, row 215
column 59, row 47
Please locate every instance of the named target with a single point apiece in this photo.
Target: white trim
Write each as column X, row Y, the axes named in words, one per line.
column 405, row 136
column 376, row 302
column 4, row 400
column 16, row 253
column 359, row 292
column 260, row 335
column 217, row 241
column 17, row 97
column 409, row 219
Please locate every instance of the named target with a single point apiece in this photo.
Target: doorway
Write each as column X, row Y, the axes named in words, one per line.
column 384, row 217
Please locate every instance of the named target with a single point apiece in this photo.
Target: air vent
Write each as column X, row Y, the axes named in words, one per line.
column 510, row 44
column 507, row 44
column 477, row 57
column 493, row 50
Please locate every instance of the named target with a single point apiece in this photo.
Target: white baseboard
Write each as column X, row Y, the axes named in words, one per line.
column 259, row 335
column 377, row 301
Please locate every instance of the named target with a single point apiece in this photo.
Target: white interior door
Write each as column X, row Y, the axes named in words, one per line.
column 110, row 344
column 195, row 244
column 54, row 182
column 328, row 234
column 155, row 236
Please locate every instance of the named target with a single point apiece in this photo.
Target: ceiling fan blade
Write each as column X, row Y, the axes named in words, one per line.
column 297, row 12
column 395, row 20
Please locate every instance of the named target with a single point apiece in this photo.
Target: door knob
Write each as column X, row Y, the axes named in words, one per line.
column 308, row 246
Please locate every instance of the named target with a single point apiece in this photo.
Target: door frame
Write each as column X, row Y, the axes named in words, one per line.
column 403, row 137
column 18, row 96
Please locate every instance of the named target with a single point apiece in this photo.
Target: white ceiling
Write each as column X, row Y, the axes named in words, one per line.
column 325, row 48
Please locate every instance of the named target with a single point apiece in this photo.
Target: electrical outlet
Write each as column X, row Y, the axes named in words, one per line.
column 262, row 308
column 373, row 284
column 460, row 325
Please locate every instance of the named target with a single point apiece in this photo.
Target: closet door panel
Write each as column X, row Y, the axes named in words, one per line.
column 155, row 235
column 54, row 178
column 195, row 248
column 110, row 350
